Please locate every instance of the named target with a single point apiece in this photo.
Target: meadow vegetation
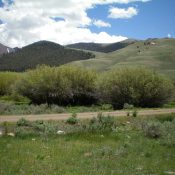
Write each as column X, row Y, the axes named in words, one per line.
column 102, row 145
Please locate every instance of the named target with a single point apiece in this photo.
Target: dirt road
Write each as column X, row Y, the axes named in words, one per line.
column 86, row 115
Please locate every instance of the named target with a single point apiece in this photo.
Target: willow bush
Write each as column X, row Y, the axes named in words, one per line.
column 59, row 85
column 7, row 79
column 69, row 85
column 138, row 86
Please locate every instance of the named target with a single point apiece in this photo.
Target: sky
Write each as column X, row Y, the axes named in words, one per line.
column 23, row 22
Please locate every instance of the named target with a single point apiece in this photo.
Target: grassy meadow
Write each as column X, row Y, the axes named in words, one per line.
column 135, row 146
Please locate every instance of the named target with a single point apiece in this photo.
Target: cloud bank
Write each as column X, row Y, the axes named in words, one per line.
column 24, row 22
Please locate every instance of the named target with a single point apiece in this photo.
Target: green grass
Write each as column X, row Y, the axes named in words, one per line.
column 85, row 154
column 160, row 57
column 123, row 152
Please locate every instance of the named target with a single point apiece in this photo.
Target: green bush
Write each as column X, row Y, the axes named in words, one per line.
column 101, row 123
column 7, row 79
column 106, row 107
column 128, row 106
column 135, row 113
column 24, row 132
column 168, row 134
column 72, row 120
column 137, row 86
column 164, row 131
column 38, row 125
column 63, row 85
column 26, row 128
column 23, row 122
column 152, row 129
column 15, row 98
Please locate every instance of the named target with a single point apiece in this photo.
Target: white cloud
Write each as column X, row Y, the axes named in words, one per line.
column 28, row 21
column 100, row 23
column 169, row 35
column 115, row 12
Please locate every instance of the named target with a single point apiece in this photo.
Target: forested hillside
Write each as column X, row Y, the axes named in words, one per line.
column 42, row 52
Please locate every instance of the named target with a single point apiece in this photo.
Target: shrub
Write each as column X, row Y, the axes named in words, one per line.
column 7, row 79
column 128, row 106
column 24, row 132
column 135, row 113
column 101, row 123
column 164, row 131
column 50, row 129
column 82, row 85
column 15, row 98
column 38, row 125
column 137, row 86
column 26, row 128
column 106, row 107
column 152, row 129
column 4, row 107
column 62, row 85
column 72, row 120
column 23, row 122
column 168, row 133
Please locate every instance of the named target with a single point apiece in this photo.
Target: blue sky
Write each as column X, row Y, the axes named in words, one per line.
column 25, row 21
column 155, row 19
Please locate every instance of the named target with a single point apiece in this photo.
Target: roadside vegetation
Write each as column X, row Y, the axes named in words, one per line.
column 62, row 89
column 102, row 145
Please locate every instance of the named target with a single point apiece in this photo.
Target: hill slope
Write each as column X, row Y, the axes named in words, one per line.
column 106, row 48
column 42, row 52
column 158, row 54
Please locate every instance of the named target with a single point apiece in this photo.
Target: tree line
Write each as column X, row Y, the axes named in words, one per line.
column 69, row 85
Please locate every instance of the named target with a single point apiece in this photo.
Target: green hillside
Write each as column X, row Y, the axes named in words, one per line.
column 42, row 52
column 98, row 47
column 158, row 54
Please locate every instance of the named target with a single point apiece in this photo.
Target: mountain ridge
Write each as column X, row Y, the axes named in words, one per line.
column 42, row 52
column 5, row 50
column 102, row 47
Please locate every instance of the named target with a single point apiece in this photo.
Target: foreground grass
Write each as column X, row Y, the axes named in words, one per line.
column 125, row 151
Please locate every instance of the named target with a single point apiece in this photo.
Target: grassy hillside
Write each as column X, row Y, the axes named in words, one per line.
column 42, row 52
column 158, row 54
column 106, row 48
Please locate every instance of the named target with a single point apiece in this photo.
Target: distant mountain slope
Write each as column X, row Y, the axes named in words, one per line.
column 5, row 49
column 42, row 52
column 158, row 54
column 106, row 48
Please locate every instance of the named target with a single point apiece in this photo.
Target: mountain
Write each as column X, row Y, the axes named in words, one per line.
column 42, row 52
column 158, row 54
column 5, row 49
column 106, row 48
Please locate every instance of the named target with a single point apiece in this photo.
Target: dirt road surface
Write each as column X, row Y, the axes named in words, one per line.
column 86, row 115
